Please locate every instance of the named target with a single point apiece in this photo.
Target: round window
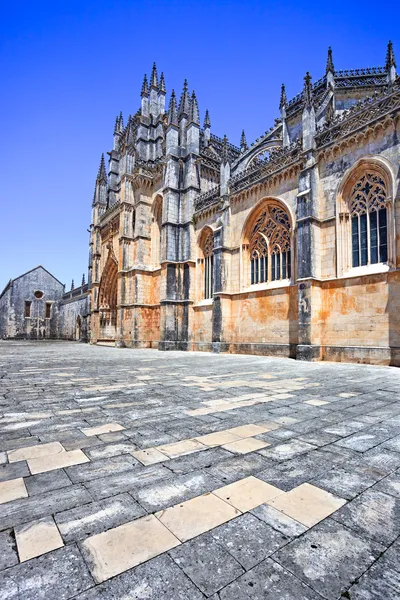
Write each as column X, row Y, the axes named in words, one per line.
column 38, row 294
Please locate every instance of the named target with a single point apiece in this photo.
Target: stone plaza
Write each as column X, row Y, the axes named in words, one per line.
column 183, row 476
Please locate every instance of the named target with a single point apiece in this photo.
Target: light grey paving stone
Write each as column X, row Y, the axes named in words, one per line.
column 378, row 583
column 95, row 517
column 268, row 581
column 283, row 452
column 248, row 539
column 374, row 515
column 110, row 450
column 282, row 434
column 392, row 444
column 232, row 469
column 329, row 557
column 46, row 482
column 318, row 438
column 379, row 458
column 81, row 443
column 101, row 468
column 279, row 521
column 128, row 481
column 41, row 505
column 164, row 494
column 60, row 574
column 14, row 470
column 113, row 438
column 363, row 440
column 157, row 579
column 344, row 428
column 207, row 564
column 389, row 485
column 8, row 550
column 198, row 460
column 346, row 484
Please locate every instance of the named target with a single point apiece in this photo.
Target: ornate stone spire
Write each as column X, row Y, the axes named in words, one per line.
column 184, row 103
column 72, row 285
column 172, row 111
column 162, row 84
column 390, row 58
column 224, row 153
column 194, row 110
column 283, row 100
column 308, row 90
column 83, row 280
column 145, row 87
column 329, row 62
column 121, row 121
column 101, row 174
column 243, row 142
column 207, row 122
column 154, row 77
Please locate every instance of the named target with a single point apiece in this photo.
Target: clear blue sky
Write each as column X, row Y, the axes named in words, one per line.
column 68, row 67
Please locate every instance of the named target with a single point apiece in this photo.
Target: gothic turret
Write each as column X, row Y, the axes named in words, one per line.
column 282, row 107
column 225, row 169
column 390, row 63
column 330, row 70
column 161, row 95
column 145, row 98
column 308, row 117
column 193, row 128
column 207, row 127
column 154, row 90
column 172, row 129
column 243, row 142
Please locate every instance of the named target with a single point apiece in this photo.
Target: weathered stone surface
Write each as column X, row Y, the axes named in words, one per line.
column 95, row 517
column 128, row 481
column 8, row 550
column 158, row 579
column 248, row 539
column 207, row 564
column 329, row 557
column 268, row 581
column 60, row 574
column 46, row 482
column 279, row 521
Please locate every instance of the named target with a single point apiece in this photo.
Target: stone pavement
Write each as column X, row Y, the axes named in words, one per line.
column 136, row 474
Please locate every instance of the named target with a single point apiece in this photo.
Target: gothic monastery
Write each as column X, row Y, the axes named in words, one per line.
column 289, row 246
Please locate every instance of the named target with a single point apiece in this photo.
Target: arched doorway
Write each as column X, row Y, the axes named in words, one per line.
column 107, row 299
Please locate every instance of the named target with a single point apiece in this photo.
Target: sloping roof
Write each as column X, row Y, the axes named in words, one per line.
column 26, row 273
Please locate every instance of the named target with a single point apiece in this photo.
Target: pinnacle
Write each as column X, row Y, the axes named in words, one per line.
column 194, row 110
column 101, row 174
column 390, row 58
column 283, row 100
column 207, row 122
column 162, row 83
column 224, row 153
column 243, row 141
column 308, row 90
column 83, row 280
column 184, row 104
column 329, row 62
column 154, row 77
column 145, row 87
column 172, row 112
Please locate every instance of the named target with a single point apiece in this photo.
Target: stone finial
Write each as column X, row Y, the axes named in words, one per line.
column 83, row 280
column 101, row 174
column 224, row 153
column 163, row 89
column 329, row 62
column 283, row 99
column 184, row 103
column 308, row 90
column 154, row 77
column 121, row 121
column 194, row 110
column 172, row 110
column 390, row 58
column 72, row 285
column 145, row 87
column 207, row 122
column 243, row 142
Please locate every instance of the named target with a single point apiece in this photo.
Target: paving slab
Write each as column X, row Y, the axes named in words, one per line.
column 36, row 538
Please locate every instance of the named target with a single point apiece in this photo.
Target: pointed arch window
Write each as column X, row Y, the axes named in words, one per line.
column 369, row 219
column 208, row 253
column 270, row 250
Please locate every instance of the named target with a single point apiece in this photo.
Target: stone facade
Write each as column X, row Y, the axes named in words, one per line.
column 289, row 246
column 35, row 306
